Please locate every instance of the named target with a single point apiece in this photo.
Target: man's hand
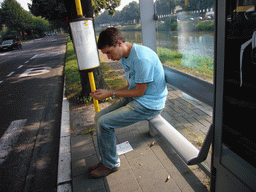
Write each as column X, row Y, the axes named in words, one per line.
column 101, row 94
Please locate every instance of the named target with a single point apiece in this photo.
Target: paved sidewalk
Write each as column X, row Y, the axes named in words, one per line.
column 146, row 168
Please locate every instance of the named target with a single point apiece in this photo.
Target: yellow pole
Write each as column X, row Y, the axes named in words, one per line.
column 93, row 88
column 186, row 2
column 90, row 74
column 79, row 8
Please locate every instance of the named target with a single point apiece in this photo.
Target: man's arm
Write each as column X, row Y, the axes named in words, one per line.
column 124, row 88
column 101, row 94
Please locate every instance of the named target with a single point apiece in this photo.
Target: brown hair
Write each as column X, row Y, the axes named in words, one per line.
column 109, row 37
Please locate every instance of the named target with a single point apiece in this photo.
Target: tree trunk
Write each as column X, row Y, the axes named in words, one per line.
column 99, row 81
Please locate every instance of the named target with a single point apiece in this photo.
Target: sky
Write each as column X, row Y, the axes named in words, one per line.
column 24, row 3
column 124, row 3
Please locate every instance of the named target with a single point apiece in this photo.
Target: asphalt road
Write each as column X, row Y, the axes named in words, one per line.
column 31, row 84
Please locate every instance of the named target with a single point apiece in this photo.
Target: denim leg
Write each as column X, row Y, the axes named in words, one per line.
column 101, row 138
column 120, row 114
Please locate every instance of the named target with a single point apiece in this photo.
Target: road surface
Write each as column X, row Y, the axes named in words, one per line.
column 31, row 84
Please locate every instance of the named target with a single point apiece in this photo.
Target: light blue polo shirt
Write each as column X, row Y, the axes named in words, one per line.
column 143, row 66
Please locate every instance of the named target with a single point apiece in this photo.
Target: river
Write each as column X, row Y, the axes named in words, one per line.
column 197, row 43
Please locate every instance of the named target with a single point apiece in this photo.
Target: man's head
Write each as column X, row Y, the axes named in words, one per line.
column 109, row 37
column 110, row 42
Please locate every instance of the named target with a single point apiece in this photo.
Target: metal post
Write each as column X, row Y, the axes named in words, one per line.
column 85, row 46
column 93, row 88
column 79, row 8
column 148, row 24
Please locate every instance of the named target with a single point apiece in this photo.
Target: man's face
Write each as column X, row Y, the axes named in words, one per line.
column 114, row 52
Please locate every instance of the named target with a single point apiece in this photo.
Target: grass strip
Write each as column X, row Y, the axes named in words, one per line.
column 73, row 82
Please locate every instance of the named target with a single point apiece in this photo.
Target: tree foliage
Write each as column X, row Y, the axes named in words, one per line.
column 129, row 14
column 20, row 22
column 167, row 6
column 49, row 9
column 14, row 16
column 54, row 10
column 108, row 5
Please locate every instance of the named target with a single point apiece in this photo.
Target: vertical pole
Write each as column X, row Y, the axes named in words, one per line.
column 90, row 74
column 148, row 24
column 93, row 88
column 79, row 8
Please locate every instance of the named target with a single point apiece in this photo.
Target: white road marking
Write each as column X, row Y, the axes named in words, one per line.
column 27, row 61
column 20, row 66
column 10, row 74
column 1, row 82
column 34, row 56
column 10, row 137
column 35, row 71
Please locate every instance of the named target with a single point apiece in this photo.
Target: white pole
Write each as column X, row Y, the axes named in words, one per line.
column 148, row 24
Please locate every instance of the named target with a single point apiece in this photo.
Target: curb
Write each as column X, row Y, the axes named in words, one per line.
column 64, row 180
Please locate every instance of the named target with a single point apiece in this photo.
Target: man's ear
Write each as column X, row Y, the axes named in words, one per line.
column 119, row 43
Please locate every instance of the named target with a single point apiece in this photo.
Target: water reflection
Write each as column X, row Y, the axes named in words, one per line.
column 198, row 43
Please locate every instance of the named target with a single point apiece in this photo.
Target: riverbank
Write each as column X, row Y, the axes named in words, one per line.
column 196, row 65
column 204, row 25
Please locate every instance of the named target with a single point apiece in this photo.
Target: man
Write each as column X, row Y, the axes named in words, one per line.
column 142, row 99
column 17, row 39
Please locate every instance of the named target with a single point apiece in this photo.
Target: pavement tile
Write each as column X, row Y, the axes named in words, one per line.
column 140, row 148
column 82, row 151
column 123, row 180
column 178, row 170
column 156, row 181
column 200, row 112
column 170, row 118
column 148, row 170
column 142, row 126
column 80, row 166
column 83, row 183
column 80, row 140
column 131, row 136
column 125, row 129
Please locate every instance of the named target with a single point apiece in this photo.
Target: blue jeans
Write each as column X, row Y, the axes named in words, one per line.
column 121, row 113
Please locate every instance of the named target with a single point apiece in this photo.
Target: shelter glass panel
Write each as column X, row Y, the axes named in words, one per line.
column 185, row 35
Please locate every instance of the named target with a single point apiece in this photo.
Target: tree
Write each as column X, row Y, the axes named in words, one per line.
column 54, row 10
column 108, row 5
column 14, row 16
column 40, row 25
column 164, row 7
column 196, row 4
column 18, row 21
column 131, row 12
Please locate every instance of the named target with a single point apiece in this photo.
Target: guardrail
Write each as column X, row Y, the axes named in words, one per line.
column 191, row 85
column 201, row 90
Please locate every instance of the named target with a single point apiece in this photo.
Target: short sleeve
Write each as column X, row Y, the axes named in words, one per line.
column 144, row 71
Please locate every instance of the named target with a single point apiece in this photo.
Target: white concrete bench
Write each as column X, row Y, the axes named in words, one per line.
column 187, row 151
